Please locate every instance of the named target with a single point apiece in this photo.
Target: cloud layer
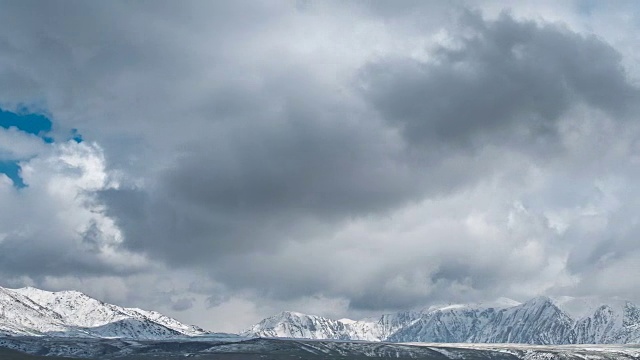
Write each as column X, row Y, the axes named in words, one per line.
column 328, row 157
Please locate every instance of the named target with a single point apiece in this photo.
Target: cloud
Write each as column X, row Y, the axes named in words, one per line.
column 505, row 83
column 260, row 206
column 55, row 226
column 343, row 159
column 289, row 174
column 183, row 304
column 18, row 145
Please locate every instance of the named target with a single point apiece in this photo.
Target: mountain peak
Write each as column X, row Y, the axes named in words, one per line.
column 539, row 300
column 32, row 311
column 33, row 292
column 631, row 315
column 585, row 306
column 294, row 314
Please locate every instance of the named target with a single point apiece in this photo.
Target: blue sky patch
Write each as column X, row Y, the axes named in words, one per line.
column 12, row 170
column 76, row 136
column 30, row 123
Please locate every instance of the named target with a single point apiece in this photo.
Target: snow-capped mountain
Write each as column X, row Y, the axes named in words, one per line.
column 30, row 311
column 290, row 324
column 33, row 312
column 448, row 324
column 296, row 325
column 541, row 320
column 21, row 315
column 537, row 321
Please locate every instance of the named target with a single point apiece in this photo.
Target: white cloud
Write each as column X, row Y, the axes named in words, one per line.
column 18, row 145
column 55, row 223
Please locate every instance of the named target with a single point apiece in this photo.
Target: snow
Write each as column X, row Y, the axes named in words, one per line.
column 541, row 320
column 31, row 311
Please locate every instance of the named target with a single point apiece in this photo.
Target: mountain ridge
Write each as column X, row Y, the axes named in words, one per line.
column 30, row 311
column 541, row 320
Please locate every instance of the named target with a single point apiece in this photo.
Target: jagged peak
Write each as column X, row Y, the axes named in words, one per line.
column 282, row 317
column 586, row 306
column 542, row 299
column 631, row 314
column 629, row 305
column 287, row 314
column 73, row 293
column 295, row 313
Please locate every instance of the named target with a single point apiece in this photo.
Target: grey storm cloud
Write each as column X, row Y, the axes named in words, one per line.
column 262, row 183
column 509, row 83
column 183, row 304
column 293, row 175
column 45, row 257
column 282, row 153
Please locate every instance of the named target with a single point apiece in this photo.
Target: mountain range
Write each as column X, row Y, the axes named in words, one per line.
column 541, row 320
column 32, row 312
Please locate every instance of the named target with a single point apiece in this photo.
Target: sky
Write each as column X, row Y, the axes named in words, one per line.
column 222, row 161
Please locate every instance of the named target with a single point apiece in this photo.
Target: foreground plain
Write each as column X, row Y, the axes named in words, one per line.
column 209, row 348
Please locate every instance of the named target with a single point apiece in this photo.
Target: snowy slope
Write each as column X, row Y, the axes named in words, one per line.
column 609, row 321
column 449, row 324
column 385, row 326
column 540, row 320
column 132, row 328
column 31, row 311
column 537, row 321
column 290, row 324
column 171, row 323
column 20, row 315
column 76, row 308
